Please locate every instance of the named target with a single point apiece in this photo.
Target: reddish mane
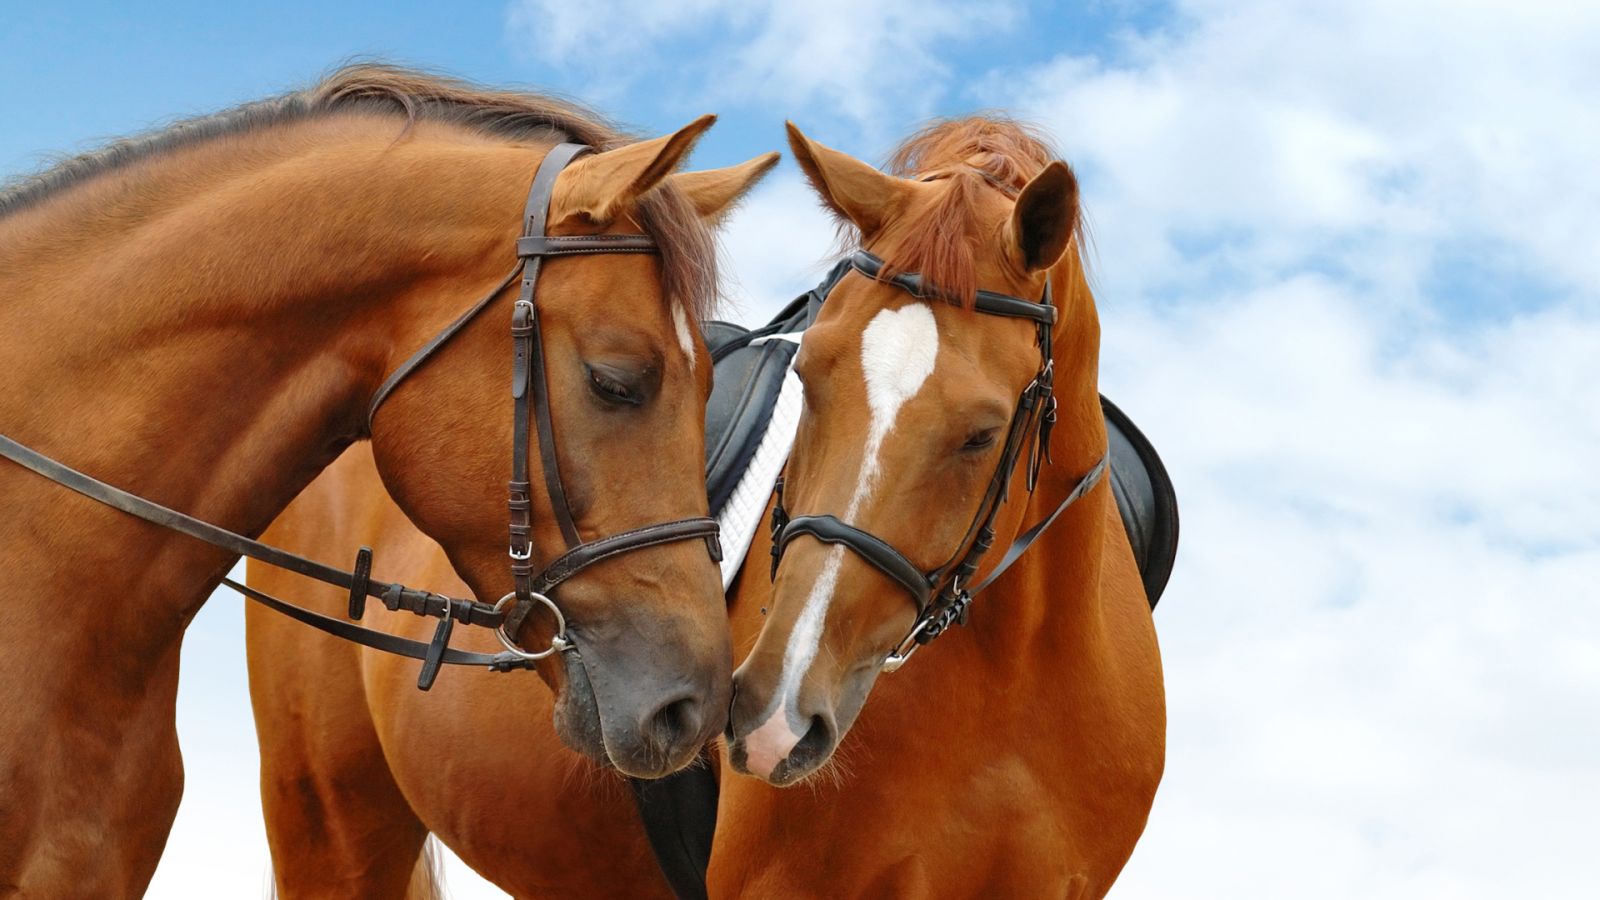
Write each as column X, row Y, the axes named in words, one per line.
column 688, row 260
column 970, row 153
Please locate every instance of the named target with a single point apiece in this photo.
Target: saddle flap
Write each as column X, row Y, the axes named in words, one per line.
column 749, row 378
column 1145, row 499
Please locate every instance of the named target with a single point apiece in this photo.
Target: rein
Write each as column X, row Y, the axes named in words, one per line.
column 530, row 399
column 943, row 594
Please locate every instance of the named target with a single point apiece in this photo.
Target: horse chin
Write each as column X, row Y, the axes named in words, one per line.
column 577, row 712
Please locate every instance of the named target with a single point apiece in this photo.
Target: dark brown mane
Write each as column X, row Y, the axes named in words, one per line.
column 687, row 251
column 971, row 154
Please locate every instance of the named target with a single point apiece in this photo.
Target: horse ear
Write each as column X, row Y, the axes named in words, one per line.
column 848, row 187
column 713, row 192
column 599, row 186
column 1045, row 218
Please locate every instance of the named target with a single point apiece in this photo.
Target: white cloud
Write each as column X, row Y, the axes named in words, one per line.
column 861, row 59
column 775, row 246
column 1381, row 640
column 1375, row 665
column 1388, row 126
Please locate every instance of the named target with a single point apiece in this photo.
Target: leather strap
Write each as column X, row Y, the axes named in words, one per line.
column 587, row 554
column 530, row 394
column 535, row 215
column 359, row 583
column 987, row 301
column 378, row 640
column 415, row 360
column 578, row 244
column 1026, row 539
column 155, row 513
column 875, row 550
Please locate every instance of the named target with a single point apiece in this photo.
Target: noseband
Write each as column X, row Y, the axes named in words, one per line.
column 530, row 400
column 943, row 594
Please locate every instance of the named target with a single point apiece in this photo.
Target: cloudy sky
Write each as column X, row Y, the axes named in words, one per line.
column 1347, row 262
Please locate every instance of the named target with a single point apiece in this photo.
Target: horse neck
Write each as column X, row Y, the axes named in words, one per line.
column 206, row 330
column 1051, row 596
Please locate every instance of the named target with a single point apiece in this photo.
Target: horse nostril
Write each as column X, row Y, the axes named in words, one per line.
column 674, row 724
column 733, row 702
column 814, row 746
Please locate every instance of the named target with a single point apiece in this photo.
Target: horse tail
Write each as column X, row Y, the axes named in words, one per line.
column 427, row 883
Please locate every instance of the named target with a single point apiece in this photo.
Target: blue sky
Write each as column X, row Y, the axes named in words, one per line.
column 73, row 73
column 1346, row 263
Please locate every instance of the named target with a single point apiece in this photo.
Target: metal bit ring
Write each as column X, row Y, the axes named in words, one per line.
column 558, row 641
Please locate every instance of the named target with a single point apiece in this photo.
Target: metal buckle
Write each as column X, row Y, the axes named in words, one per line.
column 558, row 642
column 933, row 625
column 524, row 556
column 906, row 648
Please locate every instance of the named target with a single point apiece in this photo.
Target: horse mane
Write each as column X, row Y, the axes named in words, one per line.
column 687, row 254
column 972, row 153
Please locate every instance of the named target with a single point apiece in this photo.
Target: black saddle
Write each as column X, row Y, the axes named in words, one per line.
column 749, row 376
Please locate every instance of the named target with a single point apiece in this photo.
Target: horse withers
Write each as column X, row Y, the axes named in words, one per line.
column 204, row 316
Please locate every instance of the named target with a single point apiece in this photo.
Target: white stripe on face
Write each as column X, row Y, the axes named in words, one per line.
column 680, row 323
column 898, row 350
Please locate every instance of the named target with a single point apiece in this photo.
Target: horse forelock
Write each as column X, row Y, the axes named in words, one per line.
column 968, row 155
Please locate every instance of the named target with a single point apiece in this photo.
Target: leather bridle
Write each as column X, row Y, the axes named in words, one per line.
column 943, row 594
column 530, row 402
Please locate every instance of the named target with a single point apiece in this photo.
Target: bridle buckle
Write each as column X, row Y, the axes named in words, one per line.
column 904, row 650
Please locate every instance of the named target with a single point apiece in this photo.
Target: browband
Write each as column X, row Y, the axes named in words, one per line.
column 987, row 301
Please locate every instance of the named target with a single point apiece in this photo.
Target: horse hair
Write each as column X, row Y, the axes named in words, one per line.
column 688, row 259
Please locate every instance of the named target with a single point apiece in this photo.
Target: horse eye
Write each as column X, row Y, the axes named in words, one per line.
column 608, row 386
column 981, row 440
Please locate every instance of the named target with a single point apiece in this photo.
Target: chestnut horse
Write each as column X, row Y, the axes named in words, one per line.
column 202, row 317
column 357, row 766
column 1050, row 806
column 1017, row 756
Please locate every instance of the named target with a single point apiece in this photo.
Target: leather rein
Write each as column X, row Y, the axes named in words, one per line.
column 530, row 401
column 943, row 594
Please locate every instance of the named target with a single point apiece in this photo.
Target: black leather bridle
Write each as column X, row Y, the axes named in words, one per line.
column 530, row 401
column 943, row 594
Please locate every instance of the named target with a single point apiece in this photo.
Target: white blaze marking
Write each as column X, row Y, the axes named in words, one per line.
column 680, row 323
column 898, row 352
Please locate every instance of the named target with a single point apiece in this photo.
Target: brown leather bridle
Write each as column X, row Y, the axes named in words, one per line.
column 530, row 402
column 943, row 595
